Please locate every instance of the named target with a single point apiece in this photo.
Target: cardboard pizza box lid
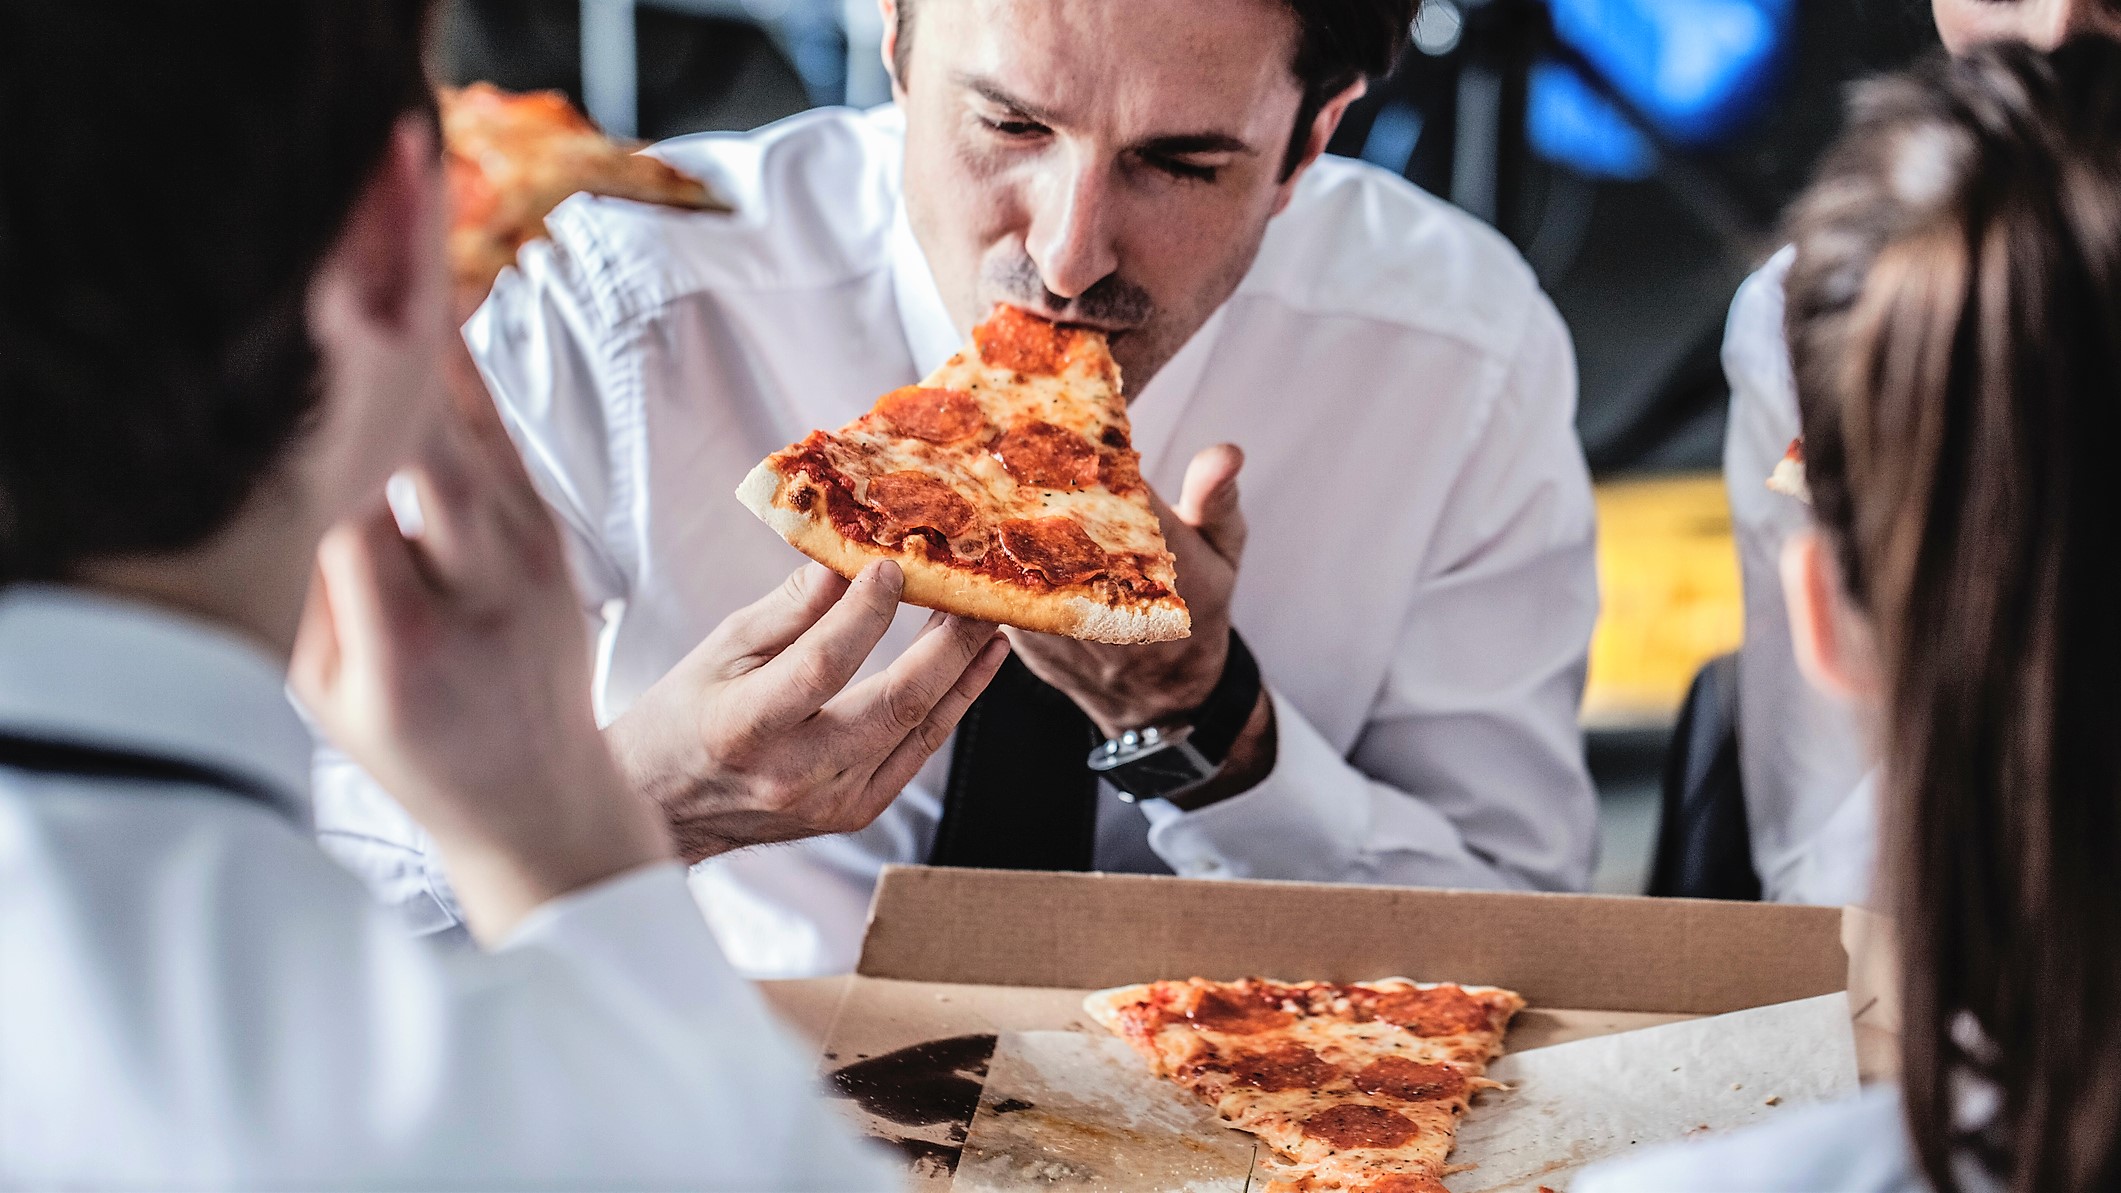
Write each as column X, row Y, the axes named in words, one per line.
column 953, row 957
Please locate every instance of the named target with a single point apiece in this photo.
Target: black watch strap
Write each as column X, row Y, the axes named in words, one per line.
column 1222, row 716
column 1167, row 761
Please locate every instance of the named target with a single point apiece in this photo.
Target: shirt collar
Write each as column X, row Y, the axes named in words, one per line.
column 82, row 668
column 930, row 334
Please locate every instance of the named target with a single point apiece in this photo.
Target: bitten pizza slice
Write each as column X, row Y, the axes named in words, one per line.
column 1356, row 1087
column 512, row 159
column 1788, row 477
column 1005, row 485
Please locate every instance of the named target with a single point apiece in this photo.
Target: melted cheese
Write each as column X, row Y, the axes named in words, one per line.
column 1083, row 399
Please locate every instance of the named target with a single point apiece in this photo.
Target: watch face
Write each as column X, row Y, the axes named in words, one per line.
column 1164, row 772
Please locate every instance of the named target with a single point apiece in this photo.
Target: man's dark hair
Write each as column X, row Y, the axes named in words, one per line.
column 171, row 173
column 1338, row 42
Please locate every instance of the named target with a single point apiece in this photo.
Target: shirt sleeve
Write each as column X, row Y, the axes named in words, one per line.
column 559, row 371
column 1799, row 755
column 1469, row 771
column 607, row 1044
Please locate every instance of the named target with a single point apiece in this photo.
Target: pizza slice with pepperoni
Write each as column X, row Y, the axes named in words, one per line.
column 1005, row 485
column 512, row 158
column 1355, row 1087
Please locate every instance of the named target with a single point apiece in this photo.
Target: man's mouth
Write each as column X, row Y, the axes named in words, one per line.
column 1112, row 332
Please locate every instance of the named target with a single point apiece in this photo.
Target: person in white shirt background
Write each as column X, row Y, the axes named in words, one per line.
column 1955, row 302
column 195, row 385
column 1412, row 565
column 1810, row 805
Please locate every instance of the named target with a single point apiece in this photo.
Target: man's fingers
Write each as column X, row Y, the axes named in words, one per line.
column 313, row 668
column 876, row 715
column 767, row 626
column 812, row 670
column 898, row 768
column 477, row 535
column 372, row 590
column 1207, row 500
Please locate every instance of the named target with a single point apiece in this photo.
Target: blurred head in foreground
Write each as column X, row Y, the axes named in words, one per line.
column 1955, row 325
column 1115, row 162
column 2045, row 24
column 222, row 289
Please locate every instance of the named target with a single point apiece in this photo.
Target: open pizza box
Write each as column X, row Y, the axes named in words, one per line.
column 968, row 997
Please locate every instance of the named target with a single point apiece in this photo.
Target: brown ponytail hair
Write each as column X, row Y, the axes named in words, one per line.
column 1955, row 324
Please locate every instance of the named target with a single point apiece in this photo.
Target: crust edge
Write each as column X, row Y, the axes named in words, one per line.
column 1103, row 1005
column 932, row 585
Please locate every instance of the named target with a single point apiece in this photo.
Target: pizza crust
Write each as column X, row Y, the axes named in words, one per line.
column 933, row 585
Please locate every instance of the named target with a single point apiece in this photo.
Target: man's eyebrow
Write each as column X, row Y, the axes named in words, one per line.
column 993, row 93
column 1185, row 144
column 1169, row 145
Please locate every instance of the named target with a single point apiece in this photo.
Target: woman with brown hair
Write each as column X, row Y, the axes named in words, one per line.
column 1955, row 325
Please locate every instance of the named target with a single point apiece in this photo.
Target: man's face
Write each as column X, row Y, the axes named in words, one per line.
column 2044, row 24
column 1106, row 162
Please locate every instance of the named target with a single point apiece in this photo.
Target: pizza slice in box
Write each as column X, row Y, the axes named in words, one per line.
column 1006, row 486
column 1356, row 1088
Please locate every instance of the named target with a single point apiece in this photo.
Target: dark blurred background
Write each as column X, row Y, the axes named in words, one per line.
column 1638, row 151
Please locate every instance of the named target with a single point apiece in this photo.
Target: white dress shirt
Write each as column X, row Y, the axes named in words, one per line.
column 1419, row 586
column 193, row 996
column 1799, row 753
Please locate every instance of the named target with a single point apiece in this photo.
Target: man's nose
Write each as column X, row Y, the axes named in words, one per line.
column 1070, row 239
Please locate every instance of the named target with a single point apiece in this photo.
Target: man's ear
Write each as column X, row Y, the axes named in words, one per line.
column 384, row 261
column 1323, row 126
column 889, row 11
column 1835, row 648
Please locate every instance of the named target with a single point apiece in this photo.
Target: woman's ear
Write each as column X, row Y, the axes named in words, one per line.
column 1835, row 647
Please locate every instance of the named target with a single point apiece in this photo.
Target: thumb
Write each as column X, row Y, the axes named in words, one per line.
column 1207, row 499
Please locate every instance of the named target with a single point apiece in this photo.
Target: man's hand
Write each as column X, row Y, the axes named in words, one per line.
column 453, row 666
column 1133, row 687
column 751, row 738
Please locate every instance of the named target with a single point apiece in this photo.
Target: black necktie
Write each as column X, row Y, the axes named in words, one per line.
column 1021, row 795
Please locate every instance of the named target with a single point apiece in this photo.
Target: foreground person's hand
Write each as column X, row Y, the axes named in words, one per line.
column 454, row 668
column 751, row 738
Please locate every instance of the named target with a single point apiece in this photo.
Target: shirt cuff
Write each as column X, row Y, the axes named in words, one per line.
column 1307, row 820
column 641, row 931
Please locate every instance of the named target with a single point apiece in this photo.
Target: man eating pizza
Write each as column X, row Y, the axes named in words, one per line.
column 1387, row 646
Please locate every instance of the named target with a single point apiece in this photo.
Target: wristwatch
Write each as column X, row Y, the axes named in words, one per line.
column 1167, row 761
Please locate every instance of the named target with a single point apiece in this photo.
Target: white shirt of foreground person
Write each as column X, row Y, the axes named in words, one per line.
column 1808, row 802
column 1418, row 586
column 193, row 996
column 1855, row 1146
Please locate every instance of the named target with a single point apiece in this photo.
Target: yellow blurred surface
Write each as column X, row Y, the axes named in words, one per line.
column 1668, row 582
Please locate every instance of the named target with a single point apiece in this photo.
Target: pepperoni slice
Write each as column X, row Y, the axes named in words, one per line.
column 1057, row 548
column 1241, row 1012
column 1118, row 472
column 910, row 501
column 1289, row 1066
column 1352, row 1125
column 1021, row 342
column 1398, row 1077
column 1440, row 1011
column 936, row 415
column 1039, row 453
